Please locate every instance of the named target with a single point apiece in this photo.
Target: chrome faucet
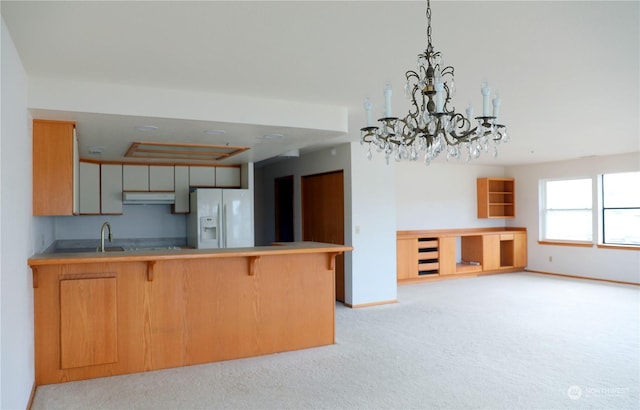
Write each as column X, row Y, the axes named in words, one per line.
column 108, row 226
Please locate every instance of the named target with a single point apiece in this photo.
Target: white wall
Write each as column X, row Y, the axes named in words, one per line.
column 374, row 228
column 137, row 221
column 441, row 195
column 16, row 233
column 370, row 269
column 612, row 264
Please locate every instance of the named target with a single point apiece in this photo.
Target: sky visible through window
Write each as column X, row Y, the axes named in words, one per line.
column 568, row 214
column 621, row 208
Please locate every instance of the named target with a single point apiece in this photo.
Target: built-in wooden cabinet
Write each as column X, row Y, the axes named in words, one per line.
column 95, row 316
column 111, row 189
column 55, row 168
column 437, row 254
column 496, row 198
column 88, row 321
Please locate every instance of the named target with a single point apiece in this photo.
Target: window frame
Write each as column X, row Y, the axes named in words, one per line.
column 543, row 211
column 601, row 213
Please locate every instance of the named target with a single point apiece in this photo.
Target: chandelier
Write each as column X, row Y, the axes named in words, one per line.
column 432, row 125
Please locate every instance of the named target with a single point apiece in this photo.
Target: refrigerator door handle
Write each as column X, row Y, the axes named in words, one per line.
column 224, row 217
column 219, row 225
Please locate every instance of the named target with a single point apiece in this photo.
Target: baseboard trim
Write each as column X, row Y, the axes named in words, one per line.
column 32, row 396
column 364, row 305
column 582, row 277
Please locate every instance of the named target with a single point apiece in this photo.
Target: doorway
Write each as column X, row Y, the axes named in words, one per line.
column 283, row 198
column 323, row 215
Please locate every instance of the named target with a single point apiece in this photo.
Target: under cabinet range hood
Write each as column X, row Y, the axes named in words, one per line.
column 148, row 198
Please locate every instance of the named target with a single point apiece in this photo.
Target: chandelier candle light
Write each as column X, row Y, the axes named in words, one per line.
column 432, row 126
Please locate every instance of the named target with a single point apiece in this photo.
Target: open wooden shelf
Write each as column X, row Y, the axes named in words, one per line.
column 496, row 197
column 467, row 268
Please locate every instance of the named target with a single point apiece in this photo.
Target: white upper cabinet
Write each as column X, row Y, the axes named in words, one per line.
column 228, row 177
column 135, row 178
column 161, row 178
column 111, row 188
column 89, row 188
column 181, row 205
column 202, row 176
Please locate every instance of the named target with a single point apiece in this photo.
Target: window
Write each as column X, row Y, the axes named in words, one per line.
column 621, row 208
column 566, row 213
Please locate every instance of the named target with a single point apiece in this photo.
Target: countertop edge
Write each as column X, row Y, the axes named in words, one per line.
column 159, row 255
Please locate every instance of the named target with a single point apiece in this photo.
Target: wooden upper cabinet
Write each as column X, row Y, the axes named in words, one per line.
column 55, row 168
column 496, row 198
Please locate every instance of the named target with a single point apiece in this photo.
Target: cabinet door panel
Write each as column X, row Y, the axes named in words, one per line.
column 491, row 252
column 53, row 167
column 161, row 178
column 111, row 188
column 88, row 322
column 89, row 188
column 202, row 176
column 447, row 253
column 181, row 205
column 228, row 177
column 407, row 265
column 520, row 250
column 135, row 177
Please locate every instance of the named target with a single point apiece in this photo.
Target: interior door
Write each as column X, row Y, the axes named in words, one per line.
column 284, row 208
column 323, row 215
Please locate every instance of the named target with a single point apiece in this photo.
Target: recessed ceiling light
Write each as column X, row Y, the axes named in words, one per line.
column 215, row 132
column 272, row 136
column 96, row 149
column 146, row 128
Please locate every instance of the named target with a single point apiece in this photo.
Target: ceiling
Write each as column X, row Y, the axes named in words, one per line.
column 567, row 72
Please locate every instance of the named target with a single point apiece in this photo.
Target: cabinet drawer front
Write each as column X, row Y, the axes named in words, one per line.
column 428, row 243
column 428, row 266
column 428, row 255
column 506, row 236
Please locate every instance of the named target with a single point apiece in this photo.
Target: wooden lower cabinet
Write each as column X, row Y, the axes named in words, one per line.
column 460, row 252
column 88, row 322
column 102, row 319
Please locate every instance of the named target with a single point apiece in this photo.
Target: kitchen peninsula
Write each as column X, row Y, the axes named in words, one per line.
column 102, row 314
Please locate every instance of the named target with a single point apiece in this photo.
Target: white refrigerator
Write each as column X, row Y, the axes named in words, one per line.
column 220, row 218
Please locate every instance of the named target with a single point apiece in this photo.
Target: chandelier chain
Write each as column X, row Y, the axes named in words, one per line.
column 428, row 23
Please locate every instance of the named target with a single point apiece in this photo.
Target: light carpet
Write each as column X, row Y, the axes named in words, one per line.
column 505, row 341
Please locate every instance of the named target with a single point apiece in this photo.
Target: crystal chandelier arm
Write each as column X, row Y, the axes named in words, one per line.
column 461, row 123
